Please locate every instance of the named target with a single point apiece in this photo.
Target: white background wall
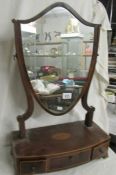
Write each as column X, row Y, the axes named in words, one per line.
column 12, row 96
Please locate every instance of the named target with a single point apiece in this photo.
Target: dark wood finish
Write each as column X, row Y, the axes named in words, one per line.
column 30, row 104
column 56, row 147
column 100, row 151
column 69, row 160
column 27, row 167
column 90, row 109
column 62, row 146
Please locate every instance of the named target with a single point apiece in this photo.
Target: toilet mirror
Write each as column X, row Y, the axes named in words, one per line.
column 57, row 53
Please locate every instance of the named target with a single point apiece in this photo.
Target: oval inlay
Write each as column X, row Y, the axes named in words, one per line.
column 61, row 136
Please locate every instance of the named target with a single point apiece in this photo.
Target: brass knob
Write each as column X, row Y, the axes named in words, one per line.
column 101, row 150
column 33, row 169
column 70, row 157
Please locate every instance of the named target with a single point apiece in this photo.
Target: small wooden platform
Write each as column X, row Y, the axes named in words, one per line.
column 58, row 147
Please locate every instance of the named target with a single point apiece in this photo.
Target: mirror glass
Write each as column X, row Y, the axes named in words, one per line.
column 57, row 52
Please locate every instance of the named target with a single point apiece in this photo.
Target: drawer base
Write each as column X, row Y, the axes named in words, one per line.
column 58, row 147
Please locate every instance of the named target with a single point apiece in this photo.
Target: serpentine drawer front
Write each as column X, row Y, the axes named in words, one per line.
column 55, row 163
column 70, row 160
column 31, row 167
column 60, row 147
column 100, row 150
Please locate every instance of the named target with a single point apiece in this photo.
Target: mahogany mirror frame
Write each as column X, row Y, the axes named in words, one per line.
column 30, row 93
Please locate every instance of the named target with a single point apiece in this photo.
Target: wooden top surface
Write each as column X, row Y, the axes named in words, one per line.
column 57, row 139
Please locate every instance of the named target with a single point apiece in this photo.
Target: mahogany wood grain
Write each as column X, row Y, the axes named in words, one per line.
column 59, row 146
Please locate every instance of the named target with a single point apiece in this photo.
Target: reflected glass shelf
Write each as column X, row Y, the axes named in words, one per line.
column 88, row 41
column 87, row 55
column 47, row 43
column 42, row 55
column 72, row 35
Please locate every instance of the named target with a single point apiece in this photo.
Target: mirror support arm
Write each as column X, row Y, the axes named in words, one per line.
column 90, row 109
column 22, row 130
column 30, row 104
column 89, row 116
column 21, row 118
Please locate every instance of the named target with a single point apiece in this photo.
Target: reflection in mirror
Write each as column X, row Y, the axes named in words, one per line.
column 57, row 51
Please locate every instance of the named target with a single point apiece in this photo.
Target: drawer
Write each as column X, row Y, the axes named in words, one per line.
column 32, row 167
column 100, row 151
column 69, row 160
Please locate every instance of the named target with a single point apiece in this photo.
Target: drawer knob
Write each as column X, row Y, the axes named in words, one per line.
column 101, row 150
column 70, row 157
column 33, row 169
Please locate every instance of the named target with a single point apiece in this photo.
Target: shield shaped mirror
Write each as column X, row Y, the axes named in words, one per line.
column 57, row 50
